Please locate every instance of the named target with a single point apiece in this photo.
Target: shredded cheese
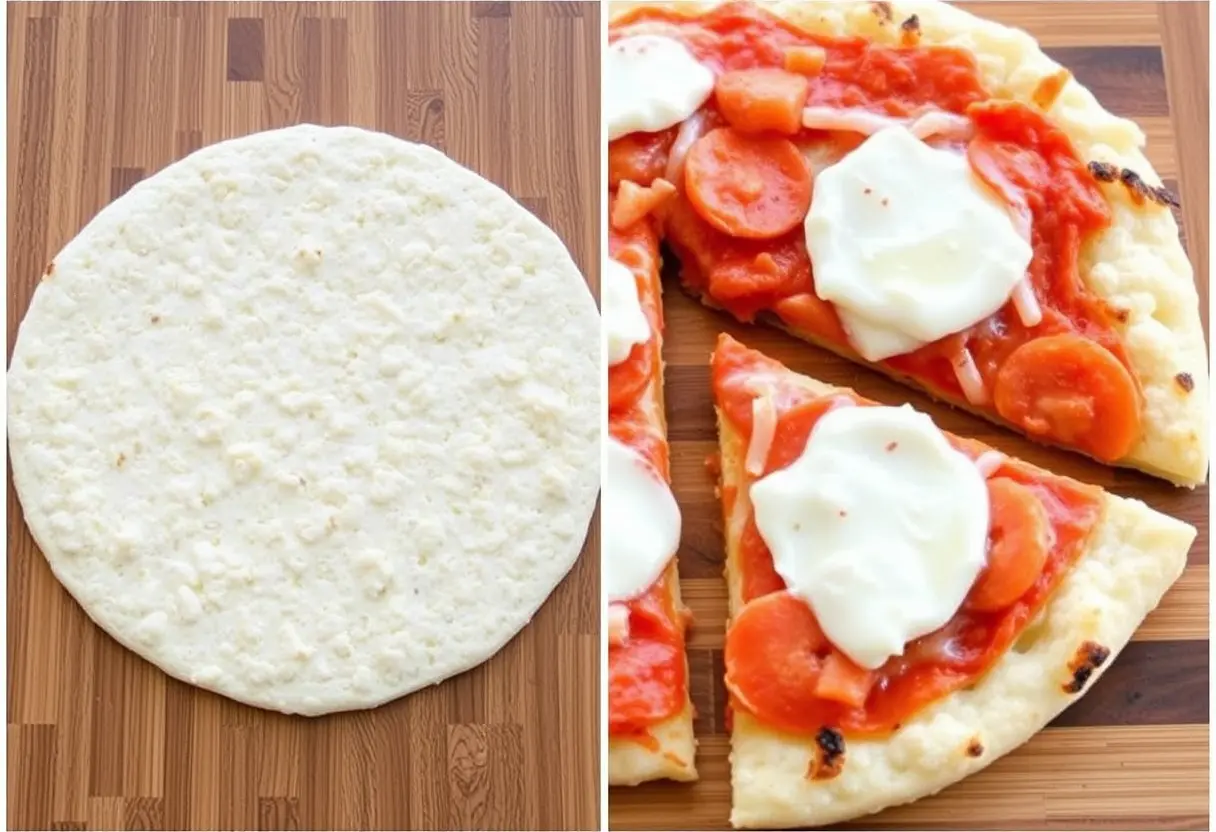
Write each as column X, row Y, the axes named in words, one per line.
column 941, row 123
column 691, row 130
column 618, row 624
column 764, row 428
column 867, row 122
column 969, row 377
column 988, row 462
column 851, row 120
column 1026, row 304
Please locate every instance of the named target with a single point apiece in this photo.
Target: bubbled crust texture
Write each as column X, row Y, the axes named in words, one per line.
column 1138, row 264
column 1134, row 556
column 310, row 418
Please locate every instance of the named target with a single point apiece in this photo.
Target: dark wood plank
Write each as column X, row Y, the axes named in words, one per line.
column 102, row 95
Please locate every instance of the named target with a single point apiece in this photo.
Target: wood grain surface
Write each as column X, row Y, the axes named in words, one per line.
column 101, row 95
column 1133, row 753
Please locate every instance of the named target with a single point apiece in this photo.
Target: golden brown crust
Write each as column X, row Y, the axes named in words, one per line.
column 1134, row 555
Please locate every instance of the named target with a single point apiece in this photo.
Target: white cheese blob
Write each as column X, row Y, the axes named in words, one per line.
column 643, row 521
column 624, row 321
column 880, row 526
column 909, row 244
column 651, row 83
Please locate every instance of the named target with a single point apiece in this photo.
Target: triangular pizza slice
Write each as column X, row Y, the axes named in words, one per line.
column 906, row 606
column 927, row 193
column 649, row 709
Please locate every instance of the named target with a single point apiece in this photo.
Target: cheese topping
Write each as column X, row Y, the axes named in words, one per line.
column 910, row 245
column 880, row 526
column 764, row 428
column 624, row 321
column 640, row 509
column 618, row 624
column 651, row 83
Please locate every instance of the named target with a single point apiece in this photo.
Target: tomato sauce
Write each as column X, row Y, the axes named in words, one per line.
column 647, row 681
column 943, row 661
column 775, row 277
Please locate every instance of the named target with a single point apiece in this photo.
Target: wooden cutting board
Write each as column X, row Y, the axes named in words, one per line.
column 1133, row 753
column 101, row 95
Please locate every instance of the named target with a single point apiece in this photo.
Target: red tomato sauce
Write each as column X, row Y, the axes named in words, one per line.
column 775, row 277
column 647, row 681
column 938, row 663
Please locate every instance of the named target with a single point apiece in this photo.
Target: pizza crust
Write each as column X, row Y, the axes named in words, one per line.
column 631, row 763
column 1136, row 554
column 1138, row 264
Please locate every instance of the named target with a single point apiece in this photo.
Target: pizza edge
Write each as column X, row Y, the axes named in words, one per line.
column 1135, row 553
column 630, row 763
column 1138, row 264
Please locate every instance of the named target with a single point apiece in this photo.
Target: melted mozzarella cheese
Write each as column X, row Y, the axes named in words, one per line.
column 880, row 526
column 645, row 521
column 624, row 321
column 909, row 244
column 651, row 83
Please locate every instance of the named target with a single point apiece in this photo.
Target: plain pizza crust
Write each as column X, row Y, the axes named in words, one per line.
column 310, row 418
column 1138, row 264
column 1135, row 555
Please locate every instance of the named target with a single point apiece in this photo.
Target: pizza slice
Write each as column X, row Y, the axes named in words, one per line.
column 926, row 193
column 649, row 710
column 906, row 606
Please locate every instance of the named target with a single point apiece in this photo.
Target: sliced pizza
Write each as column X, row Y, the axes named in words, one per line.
column 649, row 710
column 926, row 193
column 906, row 606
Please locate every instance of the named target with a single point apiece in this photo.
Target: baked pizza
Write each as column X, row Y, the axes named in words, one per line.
column 906, row 606
column 924, row 192
column 649, row 710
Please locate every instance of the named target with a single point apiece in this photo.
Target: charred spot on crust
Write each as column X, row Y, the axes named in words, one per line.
column 911, row 26
column 882, row 11
column 975, row 748
column 1141, row 190
column 1137, row 188
column 156, row 319
column 1103, row 171
column 829, row 762
column 1185, row 382
column 1088, row 658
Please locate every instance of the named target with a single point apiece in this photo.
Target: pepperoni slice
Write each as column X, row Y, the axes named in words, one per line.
column 774, row 657
column 628, row 380
column 1071, row 390
column 645, row 684
column 756, row 187
column 1019, row 538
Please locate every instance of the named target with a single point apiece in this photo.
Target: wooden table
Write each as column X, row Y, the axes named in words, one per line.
column 1133, row 753
column 103, row 95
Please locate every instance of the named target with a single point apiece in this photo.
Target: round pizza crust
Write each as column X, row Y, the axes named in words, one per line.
column 310, row 418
